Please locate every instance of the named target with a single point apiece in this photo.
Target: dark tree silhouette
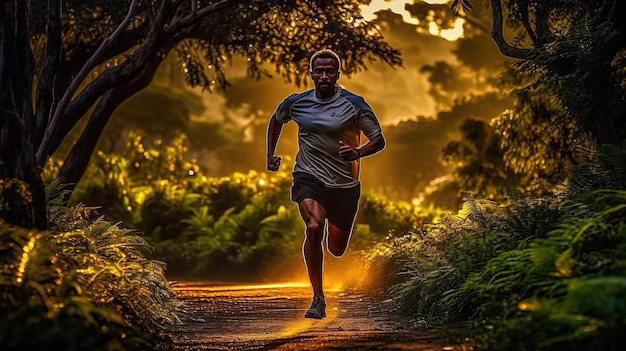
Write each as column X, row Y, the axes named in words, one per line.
column 65, row 60
column 572, row 50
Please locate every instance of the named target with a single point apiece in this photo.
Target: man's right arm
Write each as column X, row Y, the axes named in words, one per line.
column 274, row 128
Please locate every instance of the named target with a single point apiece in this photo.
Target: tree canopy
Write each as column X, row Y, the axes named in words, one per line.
column 570, row 57
column 63, row 61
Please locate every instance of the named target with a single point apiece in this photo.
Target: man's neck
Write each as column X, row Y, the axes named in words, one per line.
column 323, row 96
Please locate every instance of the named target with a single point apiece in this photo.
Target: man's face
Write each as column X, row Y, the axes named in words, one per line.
column 325, row 73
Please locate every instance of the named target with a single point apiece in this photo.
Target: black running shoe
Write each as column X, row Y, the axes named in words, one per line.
column 317, row 309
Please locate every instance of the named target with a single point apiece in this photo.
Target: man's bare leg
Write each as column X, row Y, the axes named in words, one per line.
column 314, row 217
column 338, row 240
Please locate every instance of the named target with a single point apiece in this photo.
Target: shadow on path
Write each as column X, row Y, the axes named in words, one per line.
column 269, row 317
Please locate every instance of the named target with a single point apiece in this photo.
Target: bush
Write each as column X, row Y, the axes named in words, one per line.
column 243, row 226
column 82, row 285
column 535, row 273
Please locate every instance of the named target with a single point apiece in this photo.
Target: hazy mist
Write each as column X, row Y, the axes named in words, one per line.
column 239, row 114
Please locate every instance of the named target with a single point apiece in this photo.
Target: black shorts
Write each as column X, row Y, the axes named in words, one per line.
column 341, row 204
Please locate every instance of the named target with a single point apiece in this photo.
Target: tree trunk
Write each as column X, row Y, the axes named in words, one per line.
column 17, row 154
column 602, row 120
column 607, row 106
column 76, row 162
column 18, row 162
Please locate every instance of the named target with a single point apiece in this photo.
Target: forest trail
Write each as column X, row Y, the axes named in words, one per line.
column 269, row 317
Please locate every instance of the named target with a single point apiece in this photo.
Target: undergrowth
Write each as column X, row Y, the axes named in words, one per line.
column 84, row 284
column 534, row 273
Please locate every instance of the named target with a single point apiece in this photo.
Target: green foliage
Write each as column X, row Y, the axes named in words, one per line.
column 440, row 257
column 604, row 169
column 56, row 193
column 162, row 209
column 82, row 285
column 258, row 234
column 243, row 226
column 235, row 191
column 539, row 273
column 113, row 267
column 586, row 47
column 39, row 294
column 538, row 111
column 480, row 168
column 106, row 186
column 117, row 182
column 283, row 35
column 278, row 33
column 567, row 86
column 160, row 161
column 384, row 216
column 571, row 282
column 246, row 226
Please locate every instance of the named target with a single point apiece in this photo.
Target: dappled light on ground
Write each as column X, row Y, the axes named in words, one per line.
column 270, row 317
column 214, row 287
column 299, row 326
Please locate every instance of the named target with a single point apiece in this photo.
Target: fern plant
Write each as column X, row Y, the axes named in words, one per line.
column 84, row 284
column 543, row 273
column 45, row 304
column 111, row 263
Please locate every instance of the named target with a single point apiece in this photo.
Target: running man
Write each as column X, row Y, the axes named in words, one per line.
column 326, row 182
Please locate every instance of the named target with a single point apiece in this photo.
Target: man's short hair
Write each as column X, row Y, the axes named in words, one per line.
column 325, row 53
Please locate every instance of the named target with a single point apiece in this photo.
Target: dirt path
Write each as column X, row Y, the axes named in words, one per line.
column 269, row 317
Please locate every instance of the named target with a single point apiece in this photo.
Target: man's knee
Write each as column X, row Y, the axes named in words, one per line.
column 337, row 250
column 338, row 241
column 314, row 231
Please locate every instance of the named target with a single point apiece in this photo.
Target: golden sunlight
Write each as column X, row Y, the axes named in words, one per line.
column 369, row 11
column 299, row 326
column 397, row 6
column 455, row 32
column 201, row 286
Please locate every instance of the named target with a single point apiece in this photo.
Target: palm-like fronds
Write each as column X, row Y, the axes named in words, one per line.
column 112, row 264
column 39, row 293
column 85, row 281
column 601, row 169
column 461, row 7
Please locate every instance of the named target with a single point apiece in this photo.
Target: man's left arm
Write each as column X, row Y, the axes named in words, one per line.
column 368, row 123
column 373, row 146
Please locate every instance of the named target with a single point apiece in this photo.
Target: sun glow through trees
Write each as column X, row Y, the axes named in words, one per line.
column 398, row 7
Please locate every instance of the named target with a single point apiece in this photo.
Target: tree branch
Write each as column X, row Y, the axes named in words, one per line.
column 42, row 152
column 149, row 11
column 68, row 111
column 154, row 44
column 529, row 30
column 49, row 69
column 181, row 22
column 498, row 37
column 78, row 159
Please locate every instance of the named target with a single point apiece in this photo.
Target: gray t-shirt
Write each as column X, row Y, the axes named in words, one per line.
column 322, row 124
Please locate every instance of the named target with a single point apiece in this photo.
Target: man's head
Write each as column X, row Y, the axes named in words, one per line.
column 325, row 67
